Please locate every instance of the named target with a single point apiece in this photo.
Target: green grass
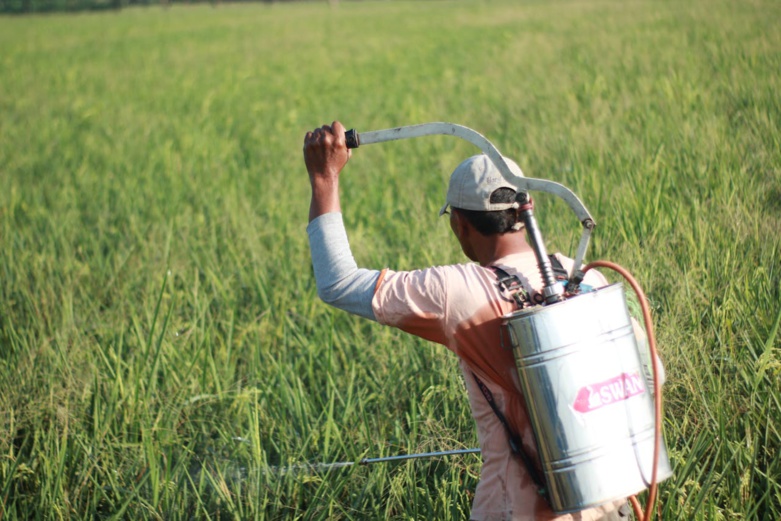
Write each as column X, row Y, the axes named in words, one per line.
column 161, row 343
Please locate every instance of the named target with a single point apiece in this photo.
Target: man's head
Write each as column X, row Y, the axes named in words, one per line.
column 481, row 195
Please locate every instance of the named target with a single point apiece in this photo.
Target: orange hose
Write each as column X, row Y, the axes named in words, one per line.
column 657, row 388
column 636, row 507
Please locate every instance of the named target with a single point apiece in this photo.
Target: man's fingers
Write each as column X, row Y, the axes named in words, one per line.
column 338, row 130
column 327, row 136
column 335, row 129
column 316, row 137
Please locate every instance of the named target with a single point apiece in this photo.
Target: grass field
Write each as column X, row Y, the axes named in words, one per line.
column 161, row 343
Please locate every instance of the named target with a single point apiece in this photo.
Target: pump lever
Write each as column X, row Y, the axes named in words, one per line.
column 522, row 184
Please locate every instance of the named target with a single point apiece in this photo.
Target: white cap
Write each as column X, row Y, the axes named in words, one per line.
column 473, row 182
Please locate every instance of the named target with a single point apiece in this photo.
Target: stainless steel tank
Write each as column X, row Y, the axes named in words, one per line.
column 590, row 408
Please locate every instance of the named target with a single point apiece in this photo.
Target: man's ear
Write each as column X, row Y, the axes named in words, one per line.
column 461, row 224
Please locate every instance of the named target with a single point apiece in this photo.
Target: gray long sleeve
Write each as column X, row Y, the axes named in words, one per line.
column 340, row 282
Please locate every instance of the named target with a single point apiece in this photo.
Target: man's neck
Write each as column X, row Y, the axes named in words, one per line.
column 496, row 247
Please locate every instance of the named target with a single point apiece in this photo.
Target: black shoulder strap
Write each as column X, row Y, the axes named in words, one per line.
column 558, row 269
column 516, row 443
column 511, row 284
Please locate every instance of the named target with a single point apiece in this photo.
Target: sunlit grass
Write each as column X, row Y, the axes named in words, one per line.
column 161, row 344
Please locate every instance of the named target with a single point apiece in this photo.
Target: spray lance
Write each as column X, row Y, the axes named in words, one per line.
column 597, row 427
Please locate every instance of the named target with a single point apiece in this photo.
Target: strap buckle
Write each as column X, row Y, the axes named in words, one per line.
column 512, row 286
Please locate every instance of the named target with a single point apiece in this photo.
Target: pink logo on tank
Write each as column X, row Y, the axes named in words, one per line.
column 617, row 389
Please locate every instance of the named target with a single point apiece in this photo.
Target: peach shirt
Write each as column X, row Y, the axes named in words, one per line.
column 460, row 307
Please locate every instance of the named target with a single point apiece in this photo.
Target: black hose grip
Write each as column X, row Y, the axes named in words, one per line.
column 352, row 138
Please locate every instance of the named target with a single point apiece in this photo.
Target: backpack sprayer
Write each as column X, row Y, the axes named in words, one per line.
column 596, row 425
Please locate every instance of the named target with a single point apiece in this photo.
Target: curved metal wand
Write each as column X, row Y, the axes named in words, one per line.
column 523, row 184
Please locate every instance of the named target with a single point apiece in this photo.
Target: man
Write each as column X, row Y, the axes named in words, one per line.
column 459, row 306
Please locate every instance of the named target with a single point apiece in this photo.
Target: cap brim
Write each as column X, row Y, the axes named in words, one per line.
column 443, row 209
